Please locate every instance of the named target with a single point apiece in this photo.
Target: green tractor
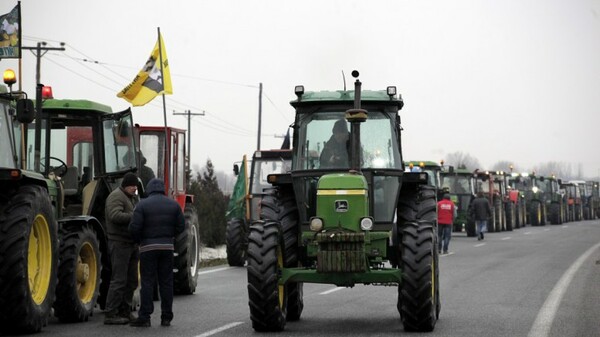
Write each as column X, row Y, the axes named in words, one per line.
column 72, row 157
column 556, row 204
column 345, row 210
column 535, row 197
column 433, row 171
column 593, row 202
column 244, row 204
column 28, row 228
column 459, row 183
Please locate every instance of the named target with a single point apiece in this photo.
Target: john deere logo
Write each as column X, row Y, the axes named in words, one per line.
column 341, row 205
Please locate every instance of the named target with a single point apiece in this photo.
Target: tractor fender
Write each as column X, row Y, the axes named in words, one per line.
column 79, row 220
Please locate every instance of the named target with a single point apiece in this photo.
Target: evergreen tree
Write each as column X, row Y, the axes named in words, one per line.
column 211, row 204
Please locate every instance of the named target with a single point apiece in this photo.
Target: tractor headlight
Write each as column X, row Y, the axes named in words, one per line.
column 366, row 224
column 535, row 189
column 316, row 224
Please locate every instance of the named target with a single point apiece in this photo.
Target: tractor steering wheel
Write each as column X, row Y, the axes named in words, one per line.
column 60, row 170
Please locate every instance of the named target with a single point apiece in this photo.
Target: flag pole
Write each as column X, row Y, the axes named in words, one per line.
column 166, row 151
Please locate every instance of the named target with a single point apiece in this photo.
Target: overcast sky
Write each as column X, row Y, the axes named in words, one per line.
column 515, row 80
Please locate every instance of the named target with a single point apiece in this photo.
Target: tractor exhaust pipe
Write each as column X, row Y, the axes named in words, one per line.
column 356, row 116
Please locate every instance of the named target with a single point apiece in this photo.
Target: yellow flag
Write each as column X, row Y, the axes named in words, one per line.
column 150, row 82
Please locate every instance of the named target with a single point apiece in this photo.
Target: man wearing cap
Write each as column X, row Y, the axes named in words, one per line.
column 446, row 213
column 124, row 255
column 335, row 151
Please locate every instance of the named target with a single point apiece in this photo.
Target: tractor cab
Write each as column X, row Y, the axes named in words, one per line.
column 84, row 146
column 329, row 139
column 459, row 184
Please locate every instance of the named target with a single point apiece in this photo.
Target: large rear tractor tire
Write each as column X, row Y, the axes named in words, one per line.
column 536, row 213
column 280, row 205
column 237, row 242
column 555, row 216
column 510, row 216
column 78, row 274
column 28, row 260
column 187, row 260
column 267, row 299
column 418, row 298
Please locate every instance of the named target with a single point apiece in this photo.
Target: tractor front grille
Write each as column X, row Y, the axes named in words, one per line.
column 341, row 252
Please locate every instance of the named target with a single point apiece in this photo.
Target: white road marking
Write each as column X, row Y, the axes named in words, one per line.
column 543, row 321
column 565, row 226
column 331, row 290
column 213, row 271
column 546, row 229
column 449, row 253
column 479, row 245
column 217, row 330
column 506, row 238
column 527, row 233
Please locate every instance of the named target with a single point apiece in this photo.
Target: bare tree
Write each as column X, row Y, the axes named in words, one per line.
column 505, row 165
column 462, row 160
column 559, row 169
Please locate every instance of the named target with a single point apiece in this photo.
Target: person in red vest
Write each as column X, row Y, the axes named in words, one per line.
column 446, row 213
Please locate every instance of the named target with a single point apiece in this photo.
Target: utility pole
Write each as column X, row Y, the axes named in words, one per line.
column 259, row 114
column 189, row 115
column 39, row 51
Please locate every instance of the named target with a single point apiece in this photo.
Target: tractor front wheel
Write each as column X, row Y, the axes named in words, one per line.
column 78, row 274
column 29, row 255
column 267, row 298
column 237, row 242
column 418, row 298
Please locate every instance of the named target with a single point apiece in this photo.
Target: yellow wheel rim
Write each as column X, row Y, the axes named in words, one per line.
column 281, row 287
column 39, row 259
column 86, row 273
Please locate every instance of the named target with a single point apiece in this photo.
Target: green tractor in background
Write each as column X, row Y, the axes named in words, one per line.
column 340, row 217
column 556, row 204
column 70, row 158
column 593, row 201
column 535, row 198
column 433, row 171
column 244, row 204
column 459, row 183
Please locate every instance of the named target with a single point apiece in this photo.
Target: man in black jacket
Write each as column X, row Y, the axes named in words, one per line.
column 481, row 212
column 156, row 221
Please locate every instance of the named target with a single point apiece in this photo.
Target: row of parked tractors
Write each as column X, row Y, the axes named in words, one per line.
column 59, row 161
column 517, row 199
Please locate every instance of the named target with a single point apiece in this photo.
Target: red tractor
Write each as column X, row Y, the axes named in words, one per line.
column 162, row 154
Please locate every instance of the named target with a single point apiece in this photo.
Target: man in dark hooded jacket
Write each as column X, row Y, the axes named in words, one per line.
column 156, row 221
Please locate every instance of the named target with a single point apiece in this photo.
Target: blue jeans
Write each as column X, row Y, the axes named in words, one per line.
column 444, row 235
column 481, row 227
column 156, row 265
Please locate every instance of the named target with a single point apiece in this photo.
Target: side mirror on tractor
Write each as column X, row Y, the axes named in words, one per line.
column 25, row 111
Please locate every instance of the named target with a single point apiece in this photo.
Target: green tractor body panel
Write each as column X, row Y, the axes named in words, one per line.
column 342, row 201
column 75, row 105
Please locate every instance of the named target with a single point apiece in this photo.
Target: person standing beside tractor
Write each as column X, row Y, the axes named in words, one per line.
column 446, row 214
column 124, row 254
column 156, row 221
column 335, row 151
column 481, row 212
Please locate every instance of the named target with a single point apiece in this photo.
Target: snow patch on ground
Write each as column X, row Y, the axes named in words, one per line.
column 208, row 253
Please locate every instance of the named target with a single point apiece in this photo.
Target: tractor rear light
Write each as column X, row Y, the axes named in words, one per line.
column 366, row 224
column 316, row 224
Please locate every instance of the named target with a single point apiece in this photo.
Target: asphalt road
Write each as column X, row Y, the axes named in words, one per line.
column 534, row 281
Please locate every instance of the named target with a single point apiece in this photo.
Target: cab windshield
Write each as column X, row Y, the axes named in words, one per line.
column 324, row 142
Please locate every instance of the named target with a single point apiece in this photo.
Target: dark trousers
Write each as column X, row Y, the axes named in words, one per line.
column 444, row 235
column 156, row 265
column 124, row 275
